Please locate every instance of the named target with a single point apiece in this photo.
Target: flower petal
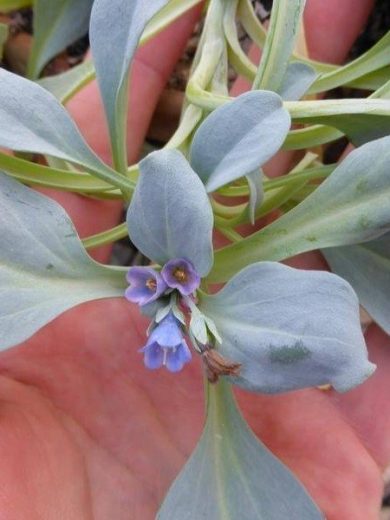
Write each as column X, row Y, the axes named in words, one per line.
column 153, row 356
column 178, row 268
column 177, row 358
column 146, row 285
column 167, row 333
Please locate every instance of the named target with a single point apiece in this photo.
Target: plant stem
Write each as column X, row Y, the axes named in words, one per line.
column 279, row 44
column 106, row 237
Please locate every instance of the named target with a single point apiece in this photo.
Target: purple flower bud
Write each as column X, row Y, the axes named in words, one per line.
column 180, row 274
column 146, row 285
column 166, row 346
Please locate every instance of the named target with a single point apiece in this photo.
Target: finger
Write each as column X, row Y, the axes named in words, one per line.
column 331, row 27
column 308, row 434
column 367, row 407
column 347, row 470
column 152, row 66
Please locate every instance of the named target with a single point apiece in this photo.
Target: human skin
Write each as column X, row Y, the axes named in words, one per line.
column 86, row 432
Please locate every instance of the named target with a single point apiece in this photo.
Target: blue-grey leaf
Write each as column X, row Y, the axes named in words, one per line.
column 170, row 214
column 116, row 27
column 44, row 267
column 349, row 207
column 256, row 192
column 32, row 120
column 367, row 268
column 290, row 329
column 298, row 79
column 57, row 24
column 239, row 137
column 63, row 86
column 232, row 476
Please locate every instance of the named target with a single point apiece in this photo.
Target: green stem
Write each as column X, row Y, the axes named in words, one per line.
column 283, row 189
column 106, row 237
column 11, row 5
column 375, row 58
column 232, row 235
column 258, row 34
column 208, row 57
column 317, row 172
column 279, row 44
column 192, row 115
column 40, row 175
column 226, row 211
column 237, row 57
column 301, row 111
column 310, row 137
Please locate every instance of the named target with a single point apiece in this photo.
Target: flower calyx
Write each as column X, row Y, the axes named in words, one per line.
column 216, row 365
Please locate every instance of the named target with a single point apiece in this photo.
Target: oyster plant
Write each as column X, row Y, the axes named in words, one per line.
column 253, row 321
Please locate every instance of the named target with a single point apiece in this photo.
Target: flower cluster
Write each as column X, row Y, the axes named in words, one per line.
column 147, row 284
column 166, row 345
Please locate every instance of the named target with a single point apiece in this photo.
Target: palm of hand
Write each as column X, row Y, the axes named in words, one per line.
column 97, row 436
column 87, row 432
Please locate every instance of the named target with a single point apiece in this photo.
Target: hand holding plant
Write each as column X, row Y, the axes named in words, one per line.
column 108, row 436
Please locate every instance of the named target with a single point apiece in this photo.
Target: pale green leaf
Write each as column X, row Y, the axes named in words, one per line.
column 64, row 86
column 32, row 120
column 232, row 476
column 238, row 138
column 170, row 214
column 44, row 267
column 57, row 24
column 115, row 29
column 290, row 329
column 349, row 207
column 367, row 268
column 279, row 44
column 297, row 80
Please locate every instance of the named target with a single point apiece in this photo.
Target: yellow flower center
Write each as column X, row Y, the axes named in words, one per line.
column 151, row 284
column 180, row 274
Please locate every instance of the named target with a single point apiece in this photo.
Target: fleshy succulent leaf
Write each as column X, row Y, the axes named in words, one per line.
column 298, row 79
column 238, row 138
column 349, row 207
column 367, row 268
column 232, row 475
column 290, row 329
column 117, row 24
column 256, row 192
column 170, row 214
column 32, row 120
column 56, row 25
column 44, row 267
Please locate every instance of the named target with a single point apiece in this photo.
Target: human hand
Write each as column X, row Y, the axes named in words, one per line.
column 87, row 432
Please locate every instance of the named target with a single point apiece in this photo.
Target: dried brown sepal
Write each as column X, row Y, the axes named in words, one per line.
column 216, row 365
